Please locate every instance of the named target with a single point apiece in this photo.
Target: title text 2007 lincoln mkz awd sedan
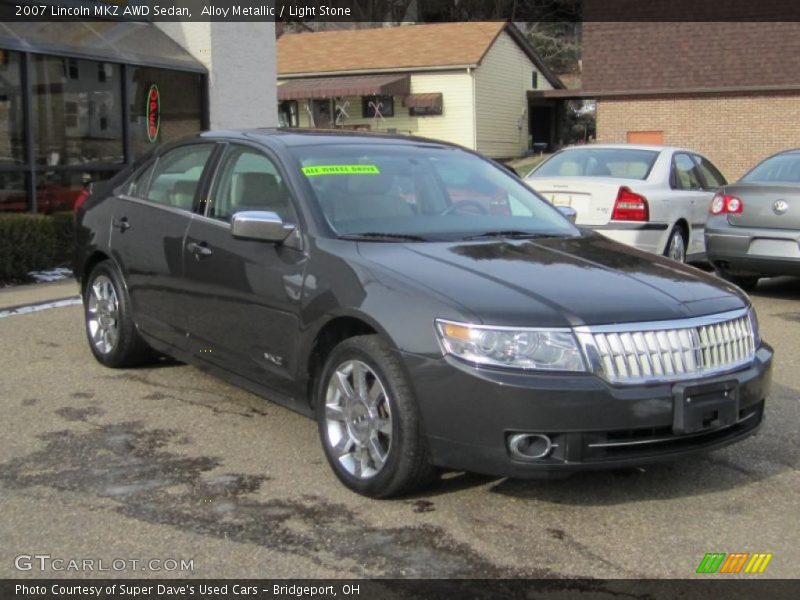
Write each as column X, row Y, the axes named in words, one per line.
column 429, row 308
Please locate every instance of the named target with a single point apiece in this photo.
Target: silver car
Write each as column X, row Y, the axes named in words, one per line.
column 654, row 198
column 753, row 227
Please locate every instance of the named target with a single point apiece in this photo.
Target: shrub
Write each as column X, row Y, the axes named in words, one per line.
column 27, row 243
column 64, row 228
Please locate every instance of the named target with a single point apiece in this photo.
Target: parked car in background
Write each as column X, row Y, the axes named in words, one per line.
column 427, row 307
column 654, row 198
column 753, row 226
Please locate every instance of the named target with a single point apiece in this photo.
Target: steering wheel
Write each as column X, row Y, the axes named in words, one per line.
column 458, row 205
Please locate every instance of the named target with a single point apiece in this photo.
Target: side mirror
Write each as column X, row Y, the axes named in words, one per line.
column 568, row 212
column 260, row 225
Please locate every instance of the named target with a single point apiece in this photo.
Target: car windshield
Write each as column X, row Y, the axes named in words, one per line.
column 622, row 163
column 402, row 192
column 784, row 168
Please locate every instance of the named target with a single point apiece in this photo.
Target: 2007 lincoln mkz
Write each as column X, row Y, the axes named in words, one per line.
column 429, row 308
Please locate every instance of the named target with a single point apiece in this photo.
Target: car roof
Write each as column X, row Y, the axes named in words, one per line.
column 317, row 137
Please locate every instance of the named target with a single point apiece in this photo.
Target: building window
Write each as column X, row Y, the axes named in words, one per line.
column 287, row 114
column 535, row 79
column 104, row 72
column 12, row 132
column 76, row 120
column 377, row 106
column 180, row 109
column 425, row 111
column 71, row 70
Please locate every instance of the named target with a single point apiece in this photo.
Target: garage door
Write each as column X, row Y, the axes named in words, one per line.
column 646, row 137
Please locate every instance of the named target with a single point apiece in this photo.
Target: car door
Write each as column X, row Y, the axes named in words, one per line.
column 150, row 219
column 245, row 294
column 713, row 180
column 689, row 199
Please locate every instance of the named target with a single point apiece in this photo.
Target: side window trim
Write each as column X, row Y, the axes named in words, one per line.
column 202, row 199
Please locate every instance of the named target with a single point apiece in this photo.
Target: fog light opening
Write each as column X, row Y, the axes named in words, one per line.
column 529, row 446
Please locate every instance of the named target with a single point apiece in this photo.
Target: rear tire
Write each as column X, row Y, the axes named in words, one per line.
column 110, row 330
column 747, row 282
column 676, row 245
column 369, row 422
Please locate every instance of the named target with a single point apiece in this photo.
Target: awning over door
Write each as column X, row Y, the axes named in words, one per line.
column 357, row 85
column 430, row 100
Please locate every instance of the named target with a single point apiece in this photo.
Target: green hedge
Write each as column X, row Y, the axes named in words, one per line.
column 30, row 242
column 64, row 225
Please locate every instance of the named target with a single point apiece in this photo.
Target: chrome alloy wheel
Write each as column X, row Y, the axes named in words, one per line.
column 102, row 315
column 358, row 419
column 677, row 247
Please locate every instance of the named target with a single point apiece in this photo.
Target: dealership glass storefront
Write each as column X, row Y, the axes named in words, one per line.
column 80, row 101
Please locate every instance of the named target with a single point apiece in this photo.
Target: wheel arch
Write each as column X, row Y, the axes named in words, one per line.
column 328, row 335
column 683, row 224
column 90, row 263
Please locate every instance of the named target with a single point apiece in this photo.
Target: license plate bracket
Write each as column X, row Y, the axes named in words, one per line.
column 704, row 407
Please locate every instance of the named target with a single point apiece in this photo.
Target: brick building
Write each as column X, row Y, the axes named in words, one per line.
column 728, row 90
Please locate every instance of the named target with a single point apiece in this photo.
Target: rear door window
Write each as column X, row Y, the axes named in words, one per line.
column 713, row 178
column 176, row 176
column 137, row 187
column 685, row 173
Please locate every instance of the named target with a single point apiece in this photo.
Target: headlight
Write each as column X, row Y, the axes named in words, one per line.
column 751, row 314
column 540, row 349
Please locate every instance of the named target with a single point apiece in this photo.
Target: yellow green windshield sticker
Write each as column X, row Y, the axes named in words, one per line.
column 341, row 170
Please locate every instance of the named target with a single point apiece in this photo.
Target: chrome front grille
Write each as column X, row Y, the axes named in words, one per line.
column 669, row 350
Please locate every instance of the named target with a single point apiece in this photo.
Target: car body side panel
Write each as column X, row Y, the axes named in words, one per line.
column 150, row 253
column 241, row 303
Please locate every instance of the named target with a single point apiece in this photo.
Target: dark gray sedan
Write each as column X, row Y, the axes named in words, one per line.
column 425, row 305
column 753, row 227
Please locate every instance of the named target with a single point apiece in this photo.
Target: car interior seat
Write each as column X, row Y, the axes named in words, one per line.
column 182, row 194
column 259, row 191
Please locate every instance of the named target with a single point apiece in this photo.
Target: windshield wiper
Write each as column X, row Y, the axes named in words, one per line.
column 508, row 233
column 383, row 236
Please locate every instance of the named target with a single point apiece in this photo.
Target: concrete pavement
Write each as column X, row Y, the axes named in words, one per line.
column 166, row 462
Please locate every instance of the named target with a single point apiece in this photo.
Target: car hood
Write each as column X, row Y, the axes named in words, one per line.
column 557, row 282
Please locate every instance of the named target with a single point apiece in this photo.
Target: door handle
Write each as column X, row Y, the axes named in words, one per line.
column 122, row 224
column 199, row 250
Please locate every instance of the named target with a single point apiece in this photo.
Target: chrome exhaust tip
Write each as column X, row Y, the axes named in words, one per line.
column 529, row 446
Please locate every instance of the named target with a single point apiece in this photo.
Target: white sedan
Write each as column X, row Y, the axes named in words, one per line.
column 654, row 198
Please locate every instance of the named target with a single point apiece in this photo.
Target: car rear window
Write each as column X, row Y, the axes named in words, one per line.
column 620, row 163
column 784, row 168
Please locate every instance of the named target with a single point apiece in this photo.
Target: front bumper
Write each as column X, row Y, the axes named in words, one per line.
column 469, row 413
column 732, row 249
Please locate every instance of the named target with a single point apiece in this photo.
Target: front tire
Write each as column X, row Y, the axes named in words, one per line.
column 369, row 421
column 676, row 245
column 112, row 334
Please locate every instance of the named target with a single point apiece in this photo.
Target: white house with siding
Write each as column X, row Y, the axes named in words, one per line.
column 465, row 83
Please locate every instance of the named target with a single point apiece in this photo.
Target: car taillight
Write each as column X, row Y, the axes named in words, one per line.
column 630, row 206
column 724, row 204
column 80, row 199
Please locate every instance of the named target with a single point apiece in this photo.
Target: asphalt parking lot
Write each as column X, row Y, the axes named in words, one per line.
column 169, row 463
